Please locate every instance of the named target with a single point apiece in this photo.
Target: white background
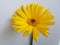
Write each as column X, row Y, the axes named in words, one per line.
column 8, row 36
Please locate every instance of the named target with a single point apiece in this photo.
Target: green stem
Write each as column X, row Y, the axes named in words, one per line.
column 31, row 41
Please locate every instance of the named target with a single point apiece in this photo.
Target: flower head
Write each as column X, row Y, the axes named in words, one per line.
column 33, row 19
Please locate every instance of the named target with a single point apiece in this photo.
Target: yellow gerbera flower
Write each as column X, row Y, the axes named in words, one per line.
column 33, row 19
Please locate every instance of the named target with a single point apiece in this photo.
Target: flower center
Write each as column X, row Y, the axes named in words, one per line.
column 33, row 21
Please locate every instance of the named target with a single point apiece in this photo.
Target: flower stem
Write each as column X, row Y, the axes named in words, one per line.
column 31, row 41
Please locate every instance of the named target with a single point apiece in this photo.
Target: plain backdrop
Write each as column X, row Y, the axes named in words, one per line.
column 8, row 36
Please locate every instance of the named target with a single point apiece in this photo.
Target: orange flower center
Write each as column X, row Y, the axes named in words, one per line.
column 32, row 22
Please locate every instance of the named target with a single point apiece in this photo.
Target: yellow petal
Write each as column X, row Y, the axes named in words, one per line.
column 41, row 9
column 15, row 17
column 17, row 27
column 49, row 16
column 46, row 15
column 50, row 23
column 21, row 28
column 36, row 10
column 45, row 12
column 19, row 23
column 29, row 10
column 32, row 8
column 21, row 13
column 29, row 30
column 47, row 23
column 42, row 27
column 45, row 32
column 24, row 9
column 35, row 34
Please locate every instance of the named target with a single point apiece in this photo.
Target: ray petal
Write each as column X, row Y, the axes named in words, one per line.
column 36, row 10
column 47, row 23
column 19, row 23
column 42, row 27
column 41, row 9
column 45, row 32
column 45, row 12
column 29, row 30
column 47, row 15
column 24, row 9
column 32, row 6
column 21, row 28
column 21, row 13
column 15, row 17
column 29, row 10
column 36, row 33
